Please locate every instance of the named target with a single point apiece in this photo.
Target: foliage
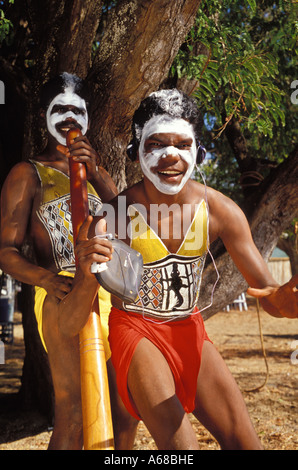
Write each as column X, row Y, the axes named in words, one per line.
column 222, row 174
column 245, row 67
column 5, row 24
column 239, row 76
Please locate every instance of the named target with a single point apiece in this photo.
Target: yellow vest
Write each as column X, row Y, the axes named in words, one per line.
column 170, row 281
column 54, row 213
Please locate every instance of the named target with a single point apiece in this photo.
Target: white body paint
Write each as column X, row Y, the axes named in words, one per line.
column 166, row 124
column 64, row 99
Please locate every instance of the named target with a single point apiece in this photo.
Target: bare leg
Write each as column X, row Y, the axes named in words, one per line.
column 64, row 359
column 125, row 426
column 152, row 387
column 220, row 406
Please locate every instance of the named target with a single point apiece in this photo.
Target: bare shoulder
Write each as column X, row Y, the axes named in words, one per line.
column 131, row 195
column 20, row 184
column 224, row 214
column 218, row 201
column 22, row 171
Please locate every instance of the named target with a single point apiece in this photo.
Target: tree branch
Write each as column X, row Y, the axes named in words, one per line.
column 270, row 216
column 140, row 41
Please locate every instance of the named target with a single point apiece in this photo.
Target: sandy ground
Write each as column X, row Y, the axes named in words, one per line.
column 273, row 407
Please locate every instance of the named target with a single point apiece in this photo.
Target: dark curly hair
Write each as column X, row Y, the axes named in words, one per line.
column 171, row 102
column 58, row 84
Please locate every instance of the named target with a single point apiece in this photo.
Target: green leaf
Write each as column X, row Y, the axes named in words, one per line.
column 253, row 5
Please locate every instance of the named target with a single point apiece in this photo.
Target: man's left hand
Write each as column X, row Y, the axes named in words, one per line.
column 282, row 300
column 82, row 152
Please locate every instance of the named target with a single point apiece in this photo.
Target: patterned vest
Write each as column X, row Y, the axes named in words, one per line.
column 55, row 213
column 171, row 281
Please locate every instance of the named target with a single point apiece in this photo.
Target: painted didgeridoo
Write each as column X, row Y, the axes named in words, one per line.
column 96, row 408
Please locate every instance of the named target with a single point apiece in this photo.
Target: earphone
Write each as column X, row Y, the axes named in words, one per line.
column 132, row 151
column 201, row 152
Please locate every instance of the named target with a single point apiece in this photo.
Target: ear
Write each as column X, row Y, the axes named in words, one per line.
column 131, row 151
column 201, row 152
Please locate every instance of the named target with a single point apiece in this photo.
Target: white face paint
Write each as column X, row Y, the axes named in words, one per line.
column 64, row 99
column 166, row 124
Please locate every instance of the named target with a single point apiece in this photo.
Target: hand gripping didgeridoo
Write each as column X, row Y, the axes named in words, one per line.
column 96, row 408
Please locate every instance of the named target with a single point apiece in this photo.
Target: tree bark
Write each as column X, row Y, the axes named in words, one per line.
column 290, row 248
column 272, row 209
column 63, row 33
column 137, row 49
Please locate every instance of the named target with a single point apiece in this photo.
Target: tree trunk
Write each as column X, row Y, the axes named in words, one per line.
column 63, row 33
column 249, row 166
column 136, row 51
column 289, row 246
column 272, row 209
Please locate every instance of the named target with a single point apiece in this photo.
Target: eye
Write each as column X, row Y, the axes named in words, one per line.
column 156, row 144
column 60, row 110
column 78, row 111
column 184, row 146
column 149, row 146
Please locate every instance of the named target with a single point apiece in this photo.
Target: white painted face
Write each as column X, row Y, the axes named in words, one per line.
column 65, row 99
column 166, row 124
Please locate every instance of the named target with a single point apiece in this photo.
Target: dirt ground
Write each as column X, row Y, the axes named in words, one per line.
column 273, row 407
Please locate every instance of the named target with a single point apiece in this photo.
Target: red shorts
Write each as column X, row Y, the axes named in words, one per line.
column 180, row 342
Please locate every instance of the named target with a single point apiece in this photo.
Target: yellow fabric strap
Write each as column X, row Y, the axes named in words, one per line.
column 104, row 299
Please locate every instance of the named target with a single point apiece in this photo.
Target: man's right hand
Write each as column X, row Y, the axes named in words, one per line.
column 57, row 285
column 93, row 250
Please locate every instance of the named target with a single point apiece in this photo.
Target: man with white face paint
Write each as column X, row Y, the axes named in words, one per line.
column 166, row 365
column 36, row 203
column 149, row 161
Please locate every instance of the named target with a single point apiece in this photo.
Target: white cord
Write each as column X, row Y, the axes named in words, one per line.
column 213, row 261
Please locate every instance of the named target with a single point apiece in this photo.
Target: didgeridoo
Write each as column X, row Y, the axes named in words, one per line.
column 96, row 408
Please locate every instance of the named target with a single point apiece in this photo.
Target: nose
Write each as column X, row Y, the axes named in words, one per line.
column 171, row 153
column 70, row 116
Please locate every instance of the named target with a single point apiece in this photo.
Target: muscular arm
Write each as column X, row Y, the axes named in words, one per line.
column 74, row 309
column 104, row 185
column 17, row 199
column 237, row 238
column 230, row 224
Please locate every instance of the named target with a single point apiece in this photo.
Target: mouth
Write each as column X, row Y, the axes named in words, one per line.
column 170, row 175
column 64, row 127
